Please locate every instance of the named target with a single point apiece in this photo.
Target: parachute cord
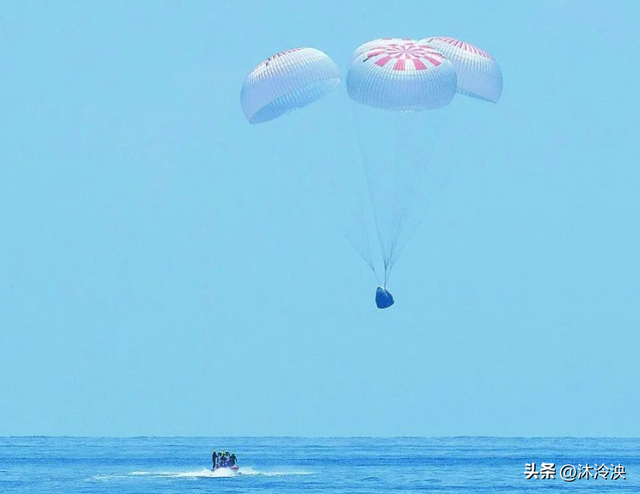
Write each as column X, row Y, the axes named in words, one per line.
column 367, row 260
column 364, row 251
column 406, row 211
column 373, row 268
column 387, row 271
column 361, row 146
column 376, row 275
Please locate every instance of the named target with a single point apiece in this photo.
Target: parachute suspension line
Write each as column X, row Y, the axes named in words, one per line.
column 367, row 259
column 367, row 254
column 364, row 251
column 391, row 205
column 408, row 219
column 398, row 247
column 290, row 80
column 385, row 238
column 375, row 273
column 371, row 194
column 401, row 211
column 396, row 79
column 401, row 247
column 370, row 263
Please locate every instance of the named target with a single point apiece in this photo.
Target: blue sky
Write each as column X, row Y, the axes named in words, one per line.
column 162, row 266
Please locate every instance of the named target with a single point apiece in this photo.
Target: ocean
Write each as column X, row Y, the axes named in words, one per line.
column 47, row 465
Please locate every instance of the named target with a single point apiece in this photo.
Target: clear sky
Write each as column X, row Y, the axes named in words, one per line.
column 164, row 272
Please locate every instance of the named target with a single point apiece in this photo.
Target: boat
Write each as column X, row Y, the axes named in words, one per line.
column 234, row 468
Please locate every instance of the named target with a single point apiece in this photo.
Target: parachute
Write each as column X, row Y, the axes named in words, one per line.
column 479, row 75
column 392, row 81
column 287, row 81
column 400, row 75
column 397, row 87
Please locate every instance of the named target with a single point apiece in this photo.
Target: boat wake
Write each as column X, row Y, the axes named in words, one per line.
column 203, row 473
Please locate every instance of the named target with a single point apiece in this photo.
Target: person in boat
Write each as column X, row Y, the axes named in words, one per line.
column 214, row 459
column 223, row 460
column 232, row 460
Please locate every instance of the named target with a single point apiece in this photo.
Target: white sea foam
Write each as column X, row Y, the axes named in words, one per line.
column 277, row 473
column 204, row 473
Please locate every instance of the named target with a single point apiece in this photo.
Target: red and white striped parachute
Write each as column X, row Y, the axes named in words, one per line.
column 479, row 75
column 400, row 74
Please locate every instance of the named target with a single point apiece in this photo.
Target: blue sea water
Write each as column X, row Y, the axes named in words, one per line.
column 300, row 465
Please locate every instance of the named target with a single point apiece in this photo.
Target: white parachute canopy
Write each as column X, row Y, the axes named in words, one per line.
column 287, row 81
column 391, row 81
column 479, row 75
